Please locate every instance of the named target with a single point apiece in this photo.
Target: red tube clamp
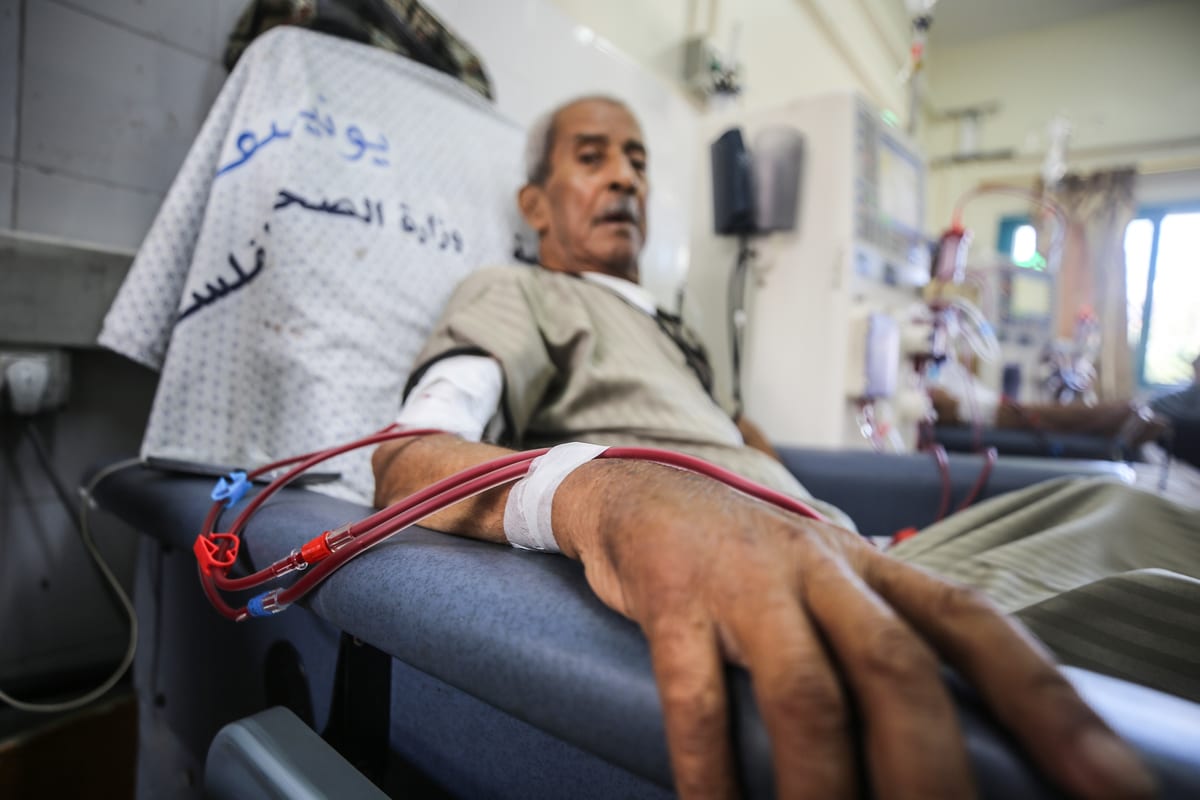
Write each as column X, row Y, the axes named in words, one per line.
column 210, row 552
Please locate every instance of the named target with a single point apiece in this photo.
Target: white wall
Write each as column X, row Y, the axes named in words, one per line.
column 787, row 48
column 1126, row 79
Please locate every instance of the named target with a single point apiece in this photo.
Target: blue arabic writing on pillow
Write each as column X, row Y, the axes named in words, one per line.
column 432, row 230
column 316, row 123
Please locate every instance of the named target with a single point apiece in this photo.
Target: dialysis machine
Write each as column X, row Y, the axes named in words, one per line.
column 815, row 291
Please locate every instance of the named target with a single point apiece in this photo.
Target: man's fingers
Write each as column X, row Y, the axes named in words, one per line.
column 913, row 743
column 801, row 702
column 691, row 685
column 1018, row 680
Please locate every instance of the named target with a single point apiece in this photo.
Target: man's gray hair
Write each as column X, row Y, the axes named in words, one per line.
column 539, row 142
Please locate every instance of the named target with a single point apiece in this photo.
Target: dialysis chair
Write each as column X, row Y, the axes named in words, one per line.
column 452, row 667
column 280, row 314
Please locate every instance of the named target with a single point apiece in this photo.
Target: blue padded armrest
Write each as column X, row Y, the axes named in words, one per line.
column 1010, row 441
column 523, row 632
column 884, row 492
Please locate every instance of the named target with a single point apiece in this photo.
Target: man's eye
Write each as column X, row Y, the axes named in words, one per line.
column 638, row 164
column 589, row 158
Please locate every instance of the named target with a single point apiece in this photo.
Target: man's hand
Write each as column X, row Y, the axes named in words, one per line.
column 822, row 621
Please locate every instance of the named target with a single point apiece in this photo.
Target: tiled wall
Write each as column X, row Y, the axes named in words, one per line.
column 6, row 191
column 9, row 53
column 99, row 101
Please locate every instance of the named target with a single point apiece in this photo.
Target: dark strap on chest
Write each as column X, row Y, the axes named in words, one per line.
column 689, row 345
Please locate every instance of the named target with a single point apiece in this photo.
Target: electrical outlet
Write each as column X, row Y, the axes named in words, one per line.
column 33, row 380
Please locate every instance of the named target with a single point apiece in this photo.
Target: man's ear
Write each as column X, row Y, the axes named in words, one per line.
column 534, row 208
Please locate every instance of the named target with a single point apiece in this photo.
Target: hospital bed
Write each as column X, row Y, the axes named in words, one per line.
column 437, row 664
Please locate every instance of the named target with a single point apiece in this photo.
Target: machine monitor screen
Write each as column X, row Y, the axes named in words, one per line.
column 899, row 187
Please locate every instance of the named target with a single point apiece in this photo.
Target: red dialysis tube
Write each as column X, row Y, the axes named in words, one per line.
column 217, row 554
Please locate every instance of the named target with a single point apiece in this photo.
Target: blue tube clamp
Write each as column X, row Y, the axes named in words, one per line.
column 231, row 490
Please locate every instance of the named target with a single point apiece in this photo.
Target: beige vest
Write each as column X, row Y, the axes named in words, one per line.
column 582, row 364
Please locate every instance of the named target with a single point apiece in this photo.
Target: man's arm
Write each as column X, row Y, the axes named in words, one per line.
column 822, row 621
column 405, row 466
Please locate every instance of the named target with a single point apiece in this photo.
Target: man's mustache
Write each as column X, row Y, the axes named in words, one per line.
column 623, row 210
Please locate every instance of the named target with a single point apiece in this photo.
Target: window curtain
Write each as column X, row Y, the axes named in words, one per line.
column 1091, row 268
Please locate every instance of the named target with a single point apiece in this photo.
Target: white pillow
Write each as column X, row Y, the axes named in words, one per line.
column 334, row 197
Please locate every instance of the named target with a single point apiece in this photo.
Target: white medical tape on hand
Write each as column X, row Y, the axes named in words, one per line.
column 531, row 499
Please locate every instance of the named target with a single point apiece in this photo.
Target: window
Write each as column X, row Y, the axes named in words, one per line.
column 1162, row 257
column 1018, row 240
column 1162, row 286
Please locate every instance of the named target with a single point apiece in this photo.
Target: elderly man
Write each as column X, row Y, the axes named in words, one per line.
column 573, row 350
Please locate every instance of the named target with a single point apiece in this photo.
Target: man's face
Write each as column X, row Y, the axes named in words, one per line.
column 590, row 214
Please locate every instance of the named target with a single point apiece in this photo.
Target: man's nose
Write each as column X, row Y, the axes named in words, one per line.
column 623, row 177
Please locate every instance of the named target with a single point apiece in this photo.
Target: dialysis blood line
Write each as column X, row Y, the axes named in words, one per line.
column 216, row 552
